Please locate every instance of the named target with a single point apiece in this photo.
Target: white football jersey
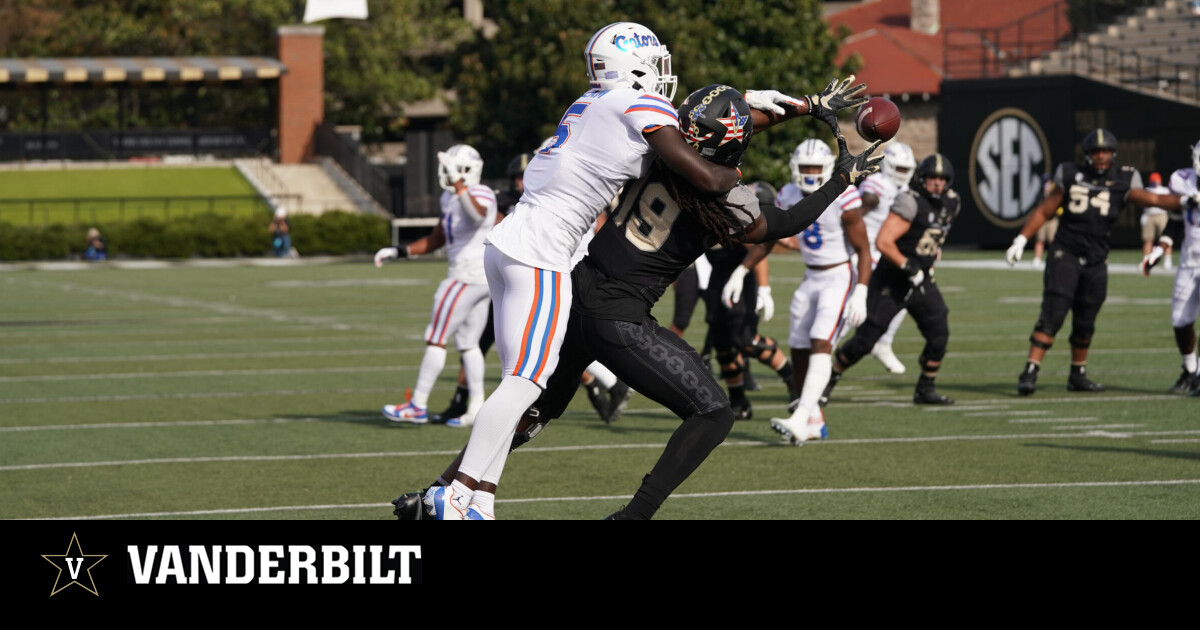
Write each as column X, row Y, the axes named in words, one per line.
column 1183, row 182
column 883, row 187
column 465, row 232
column 598, row 147
column 824, row 242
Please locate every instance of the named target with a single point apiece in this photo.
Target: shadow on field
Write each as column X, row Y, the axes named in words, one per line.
column 1130, row 451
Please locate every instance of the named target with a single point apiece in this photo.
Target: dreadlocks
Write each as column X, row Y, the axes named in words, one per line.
column 715, row 214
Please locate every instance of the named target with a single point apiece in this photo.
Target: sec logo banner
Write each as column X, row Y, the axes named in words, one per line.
column 1008, row 158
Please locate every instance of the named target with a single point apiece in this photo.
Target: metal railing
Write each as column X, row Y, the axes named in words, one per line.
column 970, row 53
column 348, row 155
column 1143, row 72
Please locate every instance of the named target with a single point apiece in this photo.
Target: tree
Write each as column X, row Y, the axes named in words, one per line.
column 513, row 88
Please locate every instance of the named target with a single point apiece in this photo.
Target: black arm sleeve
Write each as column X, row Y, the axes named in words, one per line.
column 790, row 222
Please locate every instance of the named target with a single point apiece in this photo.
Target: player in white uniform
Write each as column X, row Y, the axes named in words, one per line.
column 460, row 306
column 894, row 175
column 832, row 295
column 1185, row 301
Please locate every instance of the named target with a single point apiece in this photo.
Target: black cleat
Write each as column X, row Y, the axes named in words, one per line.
column 618, row 399
column 410, row 506
column 742, row 410
column 834, row 377
column 1027, row 381
column 1079, row 382
column 1186, row 383
column 619, row 515
column 598, row 396
column 927, row 395
column 457, row 408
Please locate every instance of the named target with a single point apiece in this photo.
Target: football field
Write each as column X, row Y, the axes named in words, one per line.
column 252, row 392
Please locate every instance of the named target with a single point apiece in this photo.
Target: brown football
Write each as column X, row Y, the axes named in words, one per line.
column 877, row 119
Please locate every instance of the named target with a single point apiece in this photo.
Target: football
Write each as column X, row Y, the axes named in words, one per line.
column 877, row 119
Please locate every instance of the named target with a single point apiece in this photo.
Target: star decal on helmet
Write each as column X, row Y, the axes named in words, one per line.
column 734, row 125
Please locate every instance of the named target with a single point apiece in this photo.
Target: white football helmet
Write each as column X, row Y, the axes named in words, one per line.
column 811, row 152
column 898, row 163
column 625, row 54
column 459, row 161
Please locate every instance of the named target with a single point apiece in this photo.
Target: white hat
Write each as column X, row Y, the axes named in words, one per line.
column 281, row 213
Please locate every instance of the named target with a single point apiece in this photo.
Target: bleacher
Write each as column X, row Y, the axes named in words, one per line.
column 1156, row 50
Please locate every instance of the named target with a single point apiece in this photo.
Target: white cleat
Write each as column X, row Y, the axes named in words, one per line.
column 464, row 421
column 442, row 504
column 792, row 431
column 476, row 514
column 407, row 412
column 884, row 353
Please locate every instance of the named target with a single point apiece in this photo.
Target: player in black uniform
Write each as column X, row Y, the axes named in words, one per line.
column 1092, row 193
column 908, row 246
column 661, row 225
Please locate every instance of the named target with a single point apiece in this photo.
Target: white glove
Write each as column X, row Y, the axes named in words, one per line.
column 1151, row 259
column 732, row 292
column 385, row 254
column 1013, row 255
column 856, row 308
column 765, row 100
column 1193, row 199
column 766, row 303
column 918, row 278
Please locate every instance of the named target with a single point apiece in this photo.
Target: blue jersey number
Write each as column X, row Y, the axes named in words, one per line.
column 564, row 126
column 448, row 223
column 812, row 236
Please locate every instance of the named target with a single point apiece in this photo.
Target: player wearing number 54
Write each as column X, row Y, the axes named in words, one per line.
column 1093, row 192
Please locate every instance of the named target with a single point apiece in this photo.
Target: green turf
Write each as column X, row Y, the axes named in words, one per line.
column 253, row 393
column 95, row 195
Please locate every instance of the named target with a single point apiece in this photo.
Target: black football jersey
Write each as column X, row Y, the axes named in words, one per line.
column 643, row 247
column 929, row 224
column 1091, row 205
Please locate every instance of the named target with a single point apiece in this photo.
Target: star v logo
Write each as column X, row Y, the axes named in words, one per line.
column 734, row 125
column 73, row 565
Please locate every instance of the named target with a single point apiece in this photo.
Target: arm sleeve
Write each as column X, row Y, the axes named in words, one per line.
column 783, row 223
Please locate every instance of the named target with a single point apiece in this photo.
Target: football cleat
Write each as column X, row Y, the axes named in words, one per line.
column 927, row 395
column 619, row 515
column 742, row 410
column 618, row 399
column 464, row 421
column 475, row 514
column 884, row 353
column 408, row 412
column 834, row 377
column 410, row 506
column 598, row 396
column 1027, row 381
column 793, row 431
column 817, row 431
column 1184, row 385
column 442, row 504
column 1081, row 383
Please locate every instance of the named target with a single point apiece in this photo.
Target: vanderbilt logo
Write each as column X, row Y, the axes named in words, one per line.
column 1007, row 159
column 74, row 568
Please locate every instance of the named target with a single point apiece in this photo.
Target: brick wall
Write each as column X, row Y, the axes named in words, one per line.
column 301, row 90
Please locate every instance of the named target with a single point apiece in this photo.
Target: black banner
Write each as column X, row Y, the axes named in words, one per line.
column 1003, row 135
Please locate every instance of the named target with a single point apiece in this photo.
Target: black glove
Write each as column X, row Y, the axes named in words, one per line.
column 836, row 96
column 856, row 167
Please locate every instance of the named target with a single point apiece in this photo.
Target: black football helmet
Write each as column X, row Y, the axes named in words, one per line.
column 936, row 165
column 765, row 192
column 517, row 165
column 716, row 121
column 1096, row 140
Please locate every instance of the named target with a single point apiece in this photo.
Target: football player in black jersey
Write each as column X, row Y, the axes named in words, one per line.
column 661, row 225
column 908, row 246
column 1092, row 193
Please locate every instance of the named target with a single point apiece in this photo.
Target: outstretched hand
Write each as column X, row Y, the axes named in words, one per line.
column 835, row 97
column 857, row 167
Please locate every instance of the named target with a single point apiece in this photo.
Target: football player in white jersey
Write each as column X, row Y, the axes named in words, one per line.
column 607, row 137
column 879, row 192
column 833, row 294
column 460, row 306
column 1185, row 301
